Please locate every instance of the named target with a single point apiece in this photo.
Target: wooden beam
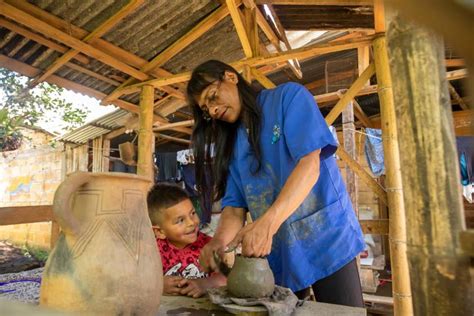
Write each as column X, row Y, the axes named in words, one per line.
column 40, row 39
column 320, row 48
column 52, row 32
column 264, row 81
column 456, row 62
column 335, row 77
column 362, row 174
column 350, row 94
column 401, row 290
column 196, row 32
column 13, row 215
column 463, row 123
column 146, row 141
column 169, row 126
column 97, row 33
column 457, row 97
column 239, row 27
column 317, row 2
column 360, row 114
column 374, row 226
column 251, row 26
column 174, row 139
column 294, row 63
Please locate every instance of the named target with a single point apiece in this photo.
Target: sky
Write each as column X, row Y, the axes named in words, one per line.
column 82, row 101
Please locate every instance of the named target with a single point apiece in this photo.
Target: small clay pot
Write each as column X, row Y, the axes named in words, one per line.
column 250, row 278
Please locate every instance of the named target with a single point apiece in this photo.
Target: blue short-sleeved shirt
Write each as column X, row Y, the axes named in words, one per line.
column 323, row 234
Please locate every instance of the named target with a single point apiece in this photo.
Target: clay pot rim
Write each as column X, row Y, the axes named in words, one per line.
column 118, row 175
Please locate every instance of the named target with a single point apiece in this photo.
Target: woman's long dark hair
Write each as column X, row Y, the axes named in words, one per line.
column 211, row 174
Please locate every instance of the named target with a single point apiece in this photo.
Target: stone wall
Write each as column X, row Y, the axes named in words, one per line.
column 30, row 176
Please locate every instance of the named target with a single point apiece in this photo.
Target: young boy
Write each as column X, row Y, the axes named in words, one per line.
column 176, row 227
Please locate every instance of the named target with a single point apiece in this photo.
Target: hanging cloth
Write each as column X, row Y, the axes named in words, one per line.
column 374, row 151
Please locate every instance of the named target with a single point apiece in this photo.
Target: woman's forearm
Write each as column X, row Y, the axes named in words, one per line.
column 296, row 189
column 231, row 221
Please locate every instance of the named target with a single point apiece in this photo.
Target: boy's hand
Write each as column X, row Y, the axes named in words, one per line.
column 172, row 285
column 195, row 288
column 206, row 258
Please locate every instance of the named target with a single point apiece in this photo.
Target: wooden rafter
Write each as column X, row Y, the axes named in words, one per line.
column 171, row 126
column 350, row 94
column 97, row 33
column 294, row 64
column 304, row 52
column 196, row 32
column 457, row 97
column 264, row 81
column 78, row 33
column 173, row 139
column 317, row 2
column 239, row 27
column 360, row 114
column 40, row 39
column 52, row 32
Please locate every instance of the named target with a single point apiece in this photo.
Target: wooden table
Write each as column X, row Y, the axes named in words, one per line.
column 181, row 305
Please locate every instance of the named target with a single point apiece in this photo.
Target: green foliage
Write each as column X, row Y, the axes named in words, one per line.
column 20, row 106
column 38, row 253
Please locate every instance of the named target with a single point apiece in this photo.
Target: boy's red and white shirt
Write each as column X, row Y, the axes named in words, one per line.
column 183, row 262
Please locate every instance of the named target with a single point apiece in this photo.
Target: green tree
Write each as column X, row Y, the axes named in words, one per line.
column 20, row 106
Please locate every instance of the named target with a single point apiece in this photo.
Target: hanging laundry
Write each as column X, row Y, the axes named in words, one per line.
column 374, row 151
column 465, row 146
column 167, row 166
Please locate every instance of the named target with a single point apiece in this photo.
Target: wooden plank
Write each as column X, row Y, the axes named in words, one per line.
column 239, row 27
column 294, row 63
column 457, row 97
column 463, row 122
column 97, row 33
column 40, row 39
column 264, row 81
column 251, row 26
column 12, row 215
column 52, row 32
column 174, row 139
column 455, row 62
column 364, row 175
column 309, row 51
column 466, row 239
column 386, row 300
column 360, row 114
column 374, row 226
column 350, row 94
column 317, row 2
column 196, row 32
column 169, row 126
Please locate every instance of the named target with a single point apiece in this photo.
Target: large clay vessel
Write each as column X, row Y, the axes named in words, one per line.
column 105, row 261
column 250, row 277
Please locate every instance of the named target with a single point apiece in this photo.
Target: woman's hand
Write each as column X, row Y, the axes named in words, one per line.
column 256, row 238
column 206, row 257
column 172, row 285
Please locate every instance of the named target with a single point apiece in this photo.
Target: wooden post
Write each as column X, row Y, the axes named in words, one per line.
column 402, row 300
column 146, row 138
column 401, row 279
column 105, row 154
column 348, row 128
column 439, row 271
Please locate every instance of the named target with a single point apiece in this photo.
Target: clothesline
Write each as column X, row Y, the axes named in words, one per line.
column 354, row 130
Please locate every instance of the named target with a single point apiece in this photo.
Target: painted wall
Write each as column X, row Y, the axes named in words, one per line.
column 30, row 176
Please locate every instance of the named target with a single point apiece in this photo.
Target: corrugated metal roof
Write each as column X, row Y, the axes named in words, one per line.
column 96, row 128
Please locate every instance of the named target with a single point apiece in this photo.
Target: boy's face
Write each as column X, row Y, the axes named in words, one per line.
column 179, row 224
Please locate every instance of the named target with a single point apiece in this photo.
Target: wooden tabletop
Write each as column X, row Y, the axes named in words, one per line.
column 182, row 305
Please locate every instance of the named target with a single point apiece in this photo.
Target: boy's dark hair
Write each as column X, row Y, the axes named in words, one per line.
column 161, row 197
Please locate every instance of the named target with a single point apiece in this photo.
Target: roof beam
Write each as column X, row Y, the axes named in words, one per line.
column 304, row 52
column 294, row 64
column 317, row 2
column 40, row 39
column 173, row 139
column 97, row 33
column 196, row 32
column 457, row 97
column 115, row 51
column 239, row 27
column 52, row 32
column 169, row 126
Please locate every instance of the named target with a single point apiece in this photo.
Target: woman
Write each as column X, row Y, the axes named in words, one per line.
column 273, row 156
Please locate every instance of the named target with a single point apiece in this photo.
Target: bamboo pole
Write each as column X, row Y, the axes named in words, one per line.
column 401, row 291
column 146, row 138
column 439, row 271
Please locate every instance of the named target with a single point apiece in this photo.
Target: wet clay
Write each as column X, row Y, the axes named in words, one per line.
column 250, row 278
column 105, row 261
